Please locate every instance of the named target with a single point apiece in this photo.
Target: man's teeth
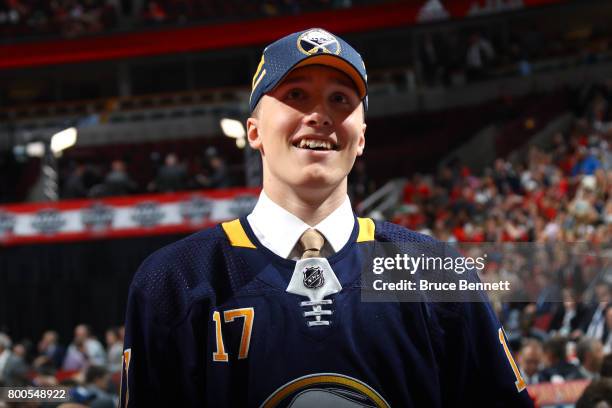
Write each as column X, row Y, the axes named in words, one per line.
column 315, row 144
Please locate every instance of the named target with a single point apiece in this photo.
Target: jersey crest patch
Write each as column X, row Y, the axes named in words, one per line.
column 313, row 277
column 325, row 390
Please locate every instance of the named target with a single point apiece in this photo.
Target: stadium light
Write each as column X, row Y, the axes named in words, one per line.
column 241, row 143
column 232, row 128
column 35, row 149
column 63, row 140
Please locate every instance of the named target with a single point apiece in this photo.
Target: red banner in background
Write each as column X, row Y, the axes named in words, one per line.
column 120, row 217
column 557, row 394
column 249, row 33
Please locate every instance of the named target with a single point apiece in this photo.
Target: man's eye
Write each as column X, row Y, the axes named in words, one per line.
column 340, row 98
column 295, row 94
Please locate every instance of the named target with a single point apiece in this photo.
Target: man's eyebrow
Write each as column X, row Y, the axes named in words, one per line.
column 346, row 82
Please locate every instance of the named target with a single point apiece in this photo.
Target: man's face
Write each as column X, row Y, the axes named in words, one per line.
column 597, row 356
column 309, row 129
column 602, row 293
column 530, row 360
column 80, row 333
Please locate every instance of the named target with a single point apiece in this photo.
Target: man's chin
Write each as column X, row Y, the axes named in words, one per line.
column 317, row 180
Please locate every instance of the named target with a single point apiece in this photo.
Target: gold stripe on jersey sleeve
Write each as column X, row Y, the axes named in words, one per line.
column 236, row 235
column 366, row 229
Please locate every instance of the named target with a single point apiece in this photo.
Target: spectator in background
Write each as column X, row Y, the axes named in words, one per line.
column 606, row 367
column 114, row 346
column 74, row 187
column 558, row 369
column 6, row 357
column 505, row 177
column 218, row 175
column 590, row 354
column 51, row 353
column 172, row 176
column 97, row 382
column 12, row 366
column 5, row 354
column 433, row 58
column 118, row 181
column 84, row 350
column 568, row 316
column 17, row 372
column 607, row 338
column 587, row 163
column 597, row 395
column 583, row 206
column 480, row 54
column 76, row 358
column 154, row 12
column 594, row 326
column 530, row 361
column 71, row 18
column 527, row 325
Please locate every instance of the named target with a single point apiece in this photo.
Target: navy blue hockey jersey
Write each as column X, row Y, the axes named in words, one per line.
column 210, row 324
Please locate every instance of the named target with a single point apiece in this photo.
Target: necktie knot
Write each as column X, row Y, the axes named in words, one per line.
column 312, row 242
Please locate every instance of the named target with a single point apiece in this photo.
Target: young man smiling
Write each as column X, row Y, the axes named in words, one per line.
column 309, row 130
column 266, row 310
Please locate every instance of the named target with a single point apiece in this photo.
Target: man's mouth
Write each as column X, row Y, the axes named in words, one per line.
column 312, row 144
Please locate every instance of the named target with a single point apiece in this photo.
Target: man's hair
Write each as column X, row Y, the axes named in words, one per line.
column 95, row 372
column 597, row 392
column 115, row 330
column 606, row 366
column 556, row 346
column 584, row 346
column 531, row 343
column 52, row 333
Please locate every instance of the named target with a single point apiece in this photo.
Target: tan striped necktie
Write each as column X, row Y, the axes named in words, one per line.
column 312, row 242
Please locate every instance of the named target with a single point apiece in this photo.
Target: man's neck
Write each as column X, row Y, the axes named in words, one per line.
column 310, row 205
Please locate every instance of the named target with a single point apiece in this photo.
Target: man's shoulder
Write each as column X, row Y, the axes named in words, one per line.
column 416, row 244
column 388, row 232
column 174, row 278
column 187, row 261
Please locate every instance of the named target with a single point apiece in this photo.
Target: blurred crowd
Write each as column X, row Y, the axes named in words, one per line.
column 70, row 18
column 452, row 58
column 171, row 174
column 165, row 11
column 90, row 370
column 563, row 193
column 562, row 328
column 558, row 199
column 576, row 345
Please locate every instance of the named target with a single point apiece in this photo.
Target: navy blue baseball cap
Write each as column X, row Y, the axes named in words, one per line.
column 309, row 47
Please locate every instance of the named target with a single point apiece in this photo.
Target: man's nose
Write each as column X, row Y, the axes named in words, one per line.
column 318, row 117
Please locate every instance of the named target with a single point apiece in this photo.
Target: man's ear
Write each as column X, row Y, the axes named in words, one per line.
column 253, row 133
column 361, row 141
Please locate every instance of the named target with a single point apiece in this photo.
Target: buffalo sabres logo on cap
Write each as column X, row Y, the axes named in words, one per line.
column 313, row 277
column 318, row 41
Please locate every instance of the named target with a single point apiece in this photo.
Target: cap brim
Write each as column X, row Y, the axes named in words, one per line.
column 338, row 63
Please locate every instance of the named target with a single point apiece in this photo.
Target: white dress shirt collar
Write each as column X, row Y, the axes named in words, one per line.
column 279, row 230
